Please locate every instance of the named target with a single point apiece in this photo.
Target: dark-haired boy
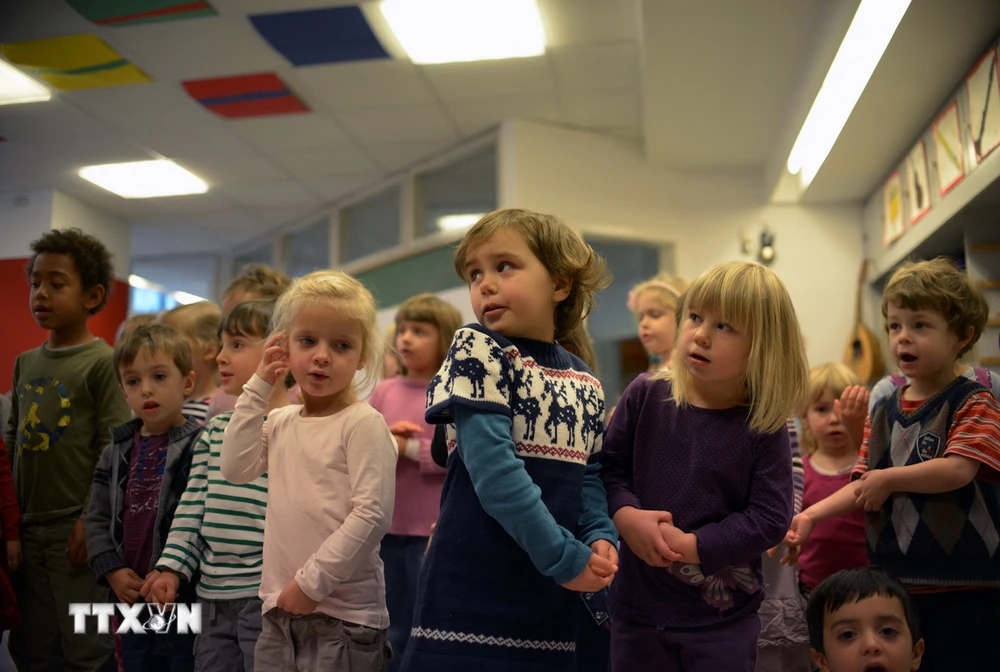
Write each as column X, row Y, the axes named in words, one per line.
column 862, row 619
column 65, row 400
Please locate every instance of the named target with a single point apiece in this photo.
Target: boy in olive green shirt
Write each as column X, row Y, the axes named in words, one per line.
column 65, row 400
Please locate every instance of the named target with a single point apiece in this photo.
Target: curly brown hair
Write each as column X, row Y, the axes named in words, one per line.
column 939, row 285
column 92, row 260
column 560, row 249
column 263, row 282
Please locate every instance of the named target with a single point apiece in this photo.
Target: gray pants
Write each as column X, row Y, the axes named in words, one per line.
column 315, row 642
column 229, row 632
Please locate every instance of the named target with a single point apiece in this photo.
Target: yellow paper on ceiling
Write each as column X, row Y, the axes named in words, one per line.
column 74, row 62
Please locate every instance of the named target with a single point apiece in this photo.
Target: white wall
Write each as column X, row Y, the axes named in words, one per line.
column 24, row 216
column 114, row 232
column 195, row 274
column 605, row 187
column 458, row 297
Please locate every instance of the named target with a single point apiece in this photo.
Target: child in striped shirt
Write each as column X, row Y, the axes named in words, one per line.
column 218, row 528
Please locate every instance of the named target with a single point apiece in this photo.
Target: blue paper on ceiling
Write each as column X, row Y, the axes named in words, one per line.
column 314, row 36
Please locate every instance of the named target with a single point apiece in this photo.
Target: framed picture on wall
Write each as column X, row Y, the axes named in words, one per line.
column 917, row 183
column 948, row 148
column 982, row 85
column 893, row 223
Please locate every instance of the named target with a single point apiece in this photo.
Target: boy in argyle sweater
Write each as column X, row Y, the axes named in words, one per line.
column 927, row 476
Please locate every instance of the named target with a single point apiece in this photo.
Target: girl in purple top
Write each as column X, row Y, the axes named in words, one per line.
column 698, row 473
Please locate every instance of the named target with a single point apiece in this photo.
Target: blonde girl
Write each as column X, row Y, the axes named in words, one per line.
column 654, row 304
column 198, row 323
column 698, row 473
column 331, row 466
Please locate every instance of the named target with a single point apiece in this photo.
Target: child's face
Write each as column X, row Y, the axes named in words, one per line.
column 512, row 292
column 870, row 634
column 419, row 346
column 57, row 298
column 155, row 390
column 657, row 324
column 921, row 342
column 714, row 352
column 324, row 351
column 238, row 360
column 825, row 423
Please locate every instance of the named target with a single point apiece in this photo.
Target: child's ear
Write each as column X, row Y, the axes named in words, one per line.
column 918, row 654
column 188, row 384
column 964, row 341
column 210, row 352
column 561, row 289
column 92, row 297
column 819, row 659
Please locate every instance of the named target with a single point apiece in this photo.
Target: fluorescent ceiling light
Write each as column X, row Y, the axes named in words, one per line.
column 866, row 40
column 451, row 31
column 142, row 283
column 145, row 179
column 16, row 87
column 186, row 298
column 457, row 222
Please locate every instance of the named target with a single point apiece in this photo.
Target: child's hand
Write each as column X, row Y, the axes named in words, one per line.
column 148, row 583
column 853, row 409
column 76, row 545
column 126, row 584
column 603, row 550
column 681, row 543
column 798, row 534
column 588, row 581
column 404, row 428
column 294, row 601
column 14, row 556
column 874, row 487
column 641, row 531
column 274, row 362
column 164, row 587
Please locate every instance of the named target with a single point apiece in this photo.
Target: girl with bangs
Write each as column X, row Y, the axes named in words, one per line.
column 698, row 473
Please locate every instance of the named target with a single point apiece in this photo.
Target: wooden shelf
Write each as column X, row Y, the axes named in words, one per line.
column 984, row 247
column 988, row 284
column 989, row 361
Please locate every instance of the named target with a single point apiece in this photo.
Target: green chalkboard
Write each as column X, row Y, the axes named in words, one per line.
column 425, row 272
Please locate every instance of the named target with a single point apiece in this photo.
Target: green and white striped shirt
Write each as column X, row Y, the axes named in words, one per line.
column 218, row 527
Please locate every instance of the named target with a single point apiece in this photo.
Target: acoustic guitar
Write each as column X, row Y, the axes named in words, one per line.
column 863, row 353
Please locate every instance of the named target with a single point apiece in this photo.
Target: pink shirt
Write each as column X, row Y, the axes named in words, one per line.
column 418, row 481
column 836, row 543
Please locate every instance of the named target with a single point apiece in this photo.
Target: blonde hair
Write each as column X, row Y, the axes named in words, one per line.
column 668, row 289
column 133, row 323
column 344, row 294
column 832, row 376
column 432, row 310
column 939, row 285
column 198, row 321
column 262, row 281
column 559, row 248
column 152, row 338
column 754, row 299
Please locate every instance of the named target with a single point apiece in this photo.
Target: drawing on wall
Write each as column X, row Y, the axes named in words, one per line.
column 893, row 224
column 983, row 88
column 948, row 149
column 917, row 183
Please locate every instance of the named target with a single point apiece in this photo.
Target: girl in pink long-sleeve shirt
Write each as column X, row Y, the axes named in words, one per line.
column 425, row 328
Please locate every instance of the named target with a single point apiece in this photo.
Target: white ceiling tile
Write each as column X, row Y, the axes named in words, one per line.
column 331, row 188
column 607, row 108
column 52, row 123
column 475, row 116
column 209, row 47
column 20, row 22
column 598, row 67
column 180, row 234
column 352, row 86
column 290, row 131
column 265, row 6
column 492, row 79
column 218, row 171
column 142, row 106
column 205, row 139
column 589, row 21
column 326, row 162
column 213, row 201
column 395, row 157
column 272, row 193
column 417, row 123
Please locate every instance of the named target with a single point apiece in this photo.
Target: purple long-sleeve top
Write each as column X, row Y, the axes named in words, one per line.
column 730, row 486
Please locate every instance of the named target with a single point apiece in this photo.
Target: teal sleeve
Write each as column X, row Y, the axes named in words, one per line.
column 594, row 522
column 508, row 494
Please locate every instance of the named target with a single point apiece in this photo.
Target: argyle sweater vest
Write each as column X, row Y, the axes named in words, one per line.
column 948, row 539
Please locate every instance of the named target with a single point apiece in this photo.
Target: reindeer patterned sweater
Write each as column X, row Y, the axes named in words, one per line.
column 521, row 504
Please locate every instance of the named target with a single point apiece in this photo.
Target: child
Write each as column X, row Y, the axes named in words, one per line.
column 523, row 519
column 10, row 549
column 199, row 324
column 133, row 323
column 928, row 467
column 218, row 530
column 424, row 328
column 831, row 439
column 654, row 304
column 885, row 387
column 65, row 398
column 139, row 481
column 254, row 282
column 331, row 469
column 699, row 477
column 863, row 619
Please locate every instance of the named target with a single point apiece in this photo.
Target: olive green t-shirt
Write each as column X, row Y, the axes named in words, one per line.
column 63, row 405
